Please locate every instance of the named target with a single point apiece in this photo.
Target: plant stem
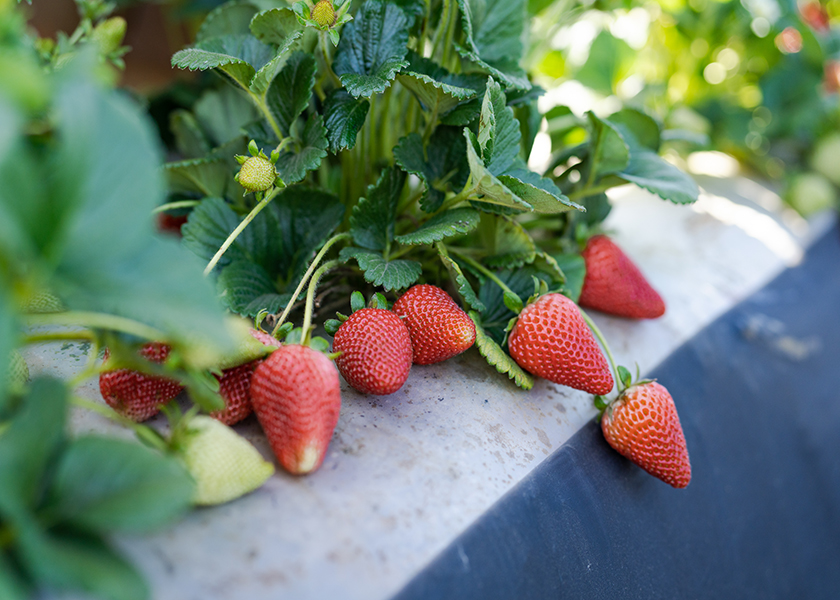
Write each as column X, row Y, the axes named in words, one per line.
column 263, row 108
column 462, row 195
column 174, row 205
column 58, row 336
column 481, row 269
column 587, row 192
column 618, row 384
column 430, row 126
column 95, row 320
column 310, row 294
column 232, row 237
column 144, row 432
column 322, row 41
column 327, row 245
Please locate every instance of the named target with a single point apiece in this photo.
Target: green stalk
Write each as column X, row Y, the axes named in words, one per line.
column 143, row 432
column 329, row 243
column 174, row 205
column 95, row 320
column 263, row 108
column 322, row 41
column 480, row 268
column 460, row 197
column 618, row 383
column 587, row 192
column 240, row 228
column 310, row 294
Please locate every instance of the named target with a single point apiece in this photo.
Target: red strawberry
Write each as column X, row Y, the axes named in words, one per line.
column 296, row 396
column 167, row 223
column 439, row 328
column 136, row 395
column 642, row 425
column 375, row 351
column 551, row 339
column 614, row 285
column 235, row 388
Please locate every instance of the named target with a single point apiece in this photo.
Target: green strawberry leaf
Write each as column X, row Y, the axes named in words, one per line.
column 466, row 291
column 387, row 274
column 246, row 288
column 438, row 90
column 344, row 116
column 372, row 49
column 608, row 152
column 372, row 221
column 104, row 485
column 190, row 140
column 238, row 56
column 107, row 255
column 34, row 435
column 202, row 176
column 499, row 133
column 506, row 243
column 492, row 190
column 223, row 113
column 644, row 128
column 278, row 27
column 650, row 171
column 11, row 585
column 494, row 31
column 290, row 91
column 305, row 152
column 539, row 192
column 444, row 169
column 208, row 226
column 498, row 358
column 66, row 560
column 604, row 66
column 231, row 18
column 457, row 221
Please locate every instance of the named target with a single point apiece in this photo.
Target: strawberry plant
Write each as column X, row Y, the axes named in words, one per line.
column 369, row 144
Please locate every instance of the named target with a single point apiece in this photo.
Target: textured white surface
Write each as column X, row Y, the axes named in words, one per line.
column 407, row 473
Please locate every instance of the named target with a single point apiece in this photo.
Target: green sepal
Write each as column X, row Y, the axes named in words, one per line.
column 498, row 358
column 357, row 301
column 512, row 301
column 331, row 326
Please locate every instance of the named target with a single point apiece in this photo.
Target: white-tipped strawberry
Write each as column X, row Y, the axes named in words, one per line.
column 223, row 464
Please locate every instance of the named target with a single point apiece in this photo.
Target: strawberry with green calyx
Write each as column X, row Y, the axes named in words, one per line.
column 374, row 347
column 439, row 328
column 297, row 396
column 550, row 339
column 223, row 464
column 257, row 173
column 613, row 284
column 136, row 395
column 18, row 371
column 325, row 16
column 642, row 424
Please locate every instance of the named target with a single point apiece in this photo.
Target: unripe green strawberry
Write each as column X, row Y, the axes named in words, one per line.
column 257, row 174
column 109, row 34
column 18, row 370
column 324, row 13
column 642, row 424
column 223, row 464
column 42, row 302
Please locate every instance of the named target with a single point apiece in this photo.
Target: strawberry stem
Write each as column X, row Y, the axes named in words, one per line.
column 477, row 266
column 310, row 296
column 92, row 320
column 174, row 205
column 240, row 228
column 144, row 432
column 318, row 257
column 619, row 385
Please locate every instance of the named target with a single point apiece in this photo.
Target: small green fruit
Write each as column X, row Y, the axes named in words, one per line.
column 109, row 34
column 257, row 174
column 18, row 370
column 826, row 157
column 223, row 464
column 42, row 302
column 324, row 14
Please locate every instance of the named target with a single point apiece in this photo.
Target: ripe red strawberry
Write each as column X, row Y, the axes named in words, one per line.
column 235, row 389
column 296, row 395
column 136, row 395
column 376, row 351
column 614, row 285
column 167, row 223
column 550, row 339
column 643, row 425
column 439, row 328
